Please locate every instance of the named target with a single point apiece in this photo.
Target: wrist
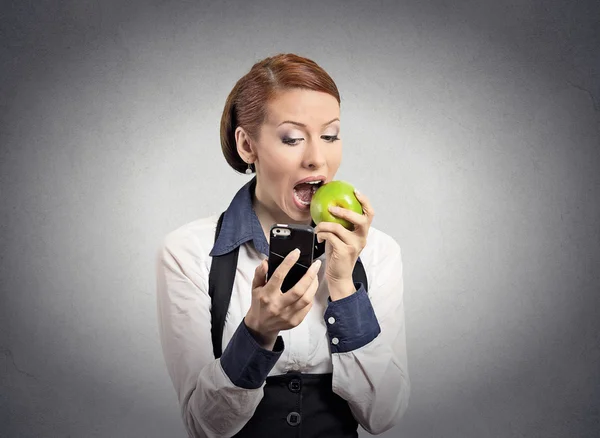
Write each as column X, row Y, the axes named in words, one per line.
column 264, row 340
column 340, row 289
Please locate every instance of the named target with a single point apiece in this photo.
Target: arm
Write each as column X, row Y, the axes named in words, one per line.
column 217, row 396
column 370, row 368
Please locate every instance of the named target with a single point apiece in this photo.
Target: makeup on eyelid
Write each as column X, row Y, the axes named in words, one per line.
column 300, row 135
column 296, row 140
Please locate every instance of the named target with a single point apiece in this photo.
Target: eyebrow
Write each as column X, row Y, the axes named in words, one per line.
column 303, row 125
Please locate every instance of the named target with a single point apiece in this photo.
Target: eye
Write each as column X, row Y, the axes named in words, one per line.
column 330, row 138
column 291, row 141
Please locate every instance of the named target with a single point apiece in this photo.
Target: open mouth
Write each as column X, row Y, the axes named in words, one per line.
column 304, row 192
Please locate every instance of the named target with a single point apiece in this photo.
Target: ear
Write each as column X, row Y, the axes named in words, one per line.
column 244, row 145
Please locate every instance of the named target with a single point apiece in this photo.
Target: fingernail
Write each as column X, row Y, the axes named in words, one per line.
column 334, row 209
column 297, row 251
column 316, row 265
column 356, row 192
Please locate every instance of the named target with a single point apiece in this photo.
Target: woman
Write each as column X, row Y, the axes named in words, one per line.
column 326, row 355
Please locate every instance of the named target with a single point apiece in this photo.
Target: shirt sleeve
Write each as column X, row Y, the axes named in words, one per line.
column 351, row 322
column 245, row 362
column 370, row 366
column 212, row 405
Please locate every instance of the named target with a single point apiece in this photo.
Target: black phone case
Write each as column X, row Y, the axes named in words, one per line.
column 301, row 237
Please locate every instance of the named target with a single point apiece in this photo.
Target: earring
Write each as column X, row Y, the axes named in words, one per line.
column 248, row 170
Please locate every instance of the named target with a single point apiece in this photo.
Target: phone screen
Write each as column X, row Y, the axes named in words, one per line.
column 284, row 238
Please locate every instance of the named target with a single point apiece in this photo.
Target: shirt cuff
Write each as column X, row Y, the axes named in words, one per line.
column 351, row 321
column 245, row 362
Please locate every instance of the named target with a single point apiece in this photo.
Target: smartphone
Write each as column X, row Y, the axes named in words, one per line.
column 283, row 239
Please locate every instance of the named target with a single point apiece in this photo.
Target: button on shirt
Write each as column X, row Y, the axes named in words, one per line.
column 360, row 339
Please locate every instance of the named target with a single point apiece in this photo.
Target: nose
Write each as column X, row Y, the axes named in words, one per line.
column 314, row 156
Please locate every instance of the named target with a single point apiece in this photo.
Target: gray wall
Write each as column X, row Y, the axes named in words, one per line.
column 473, row 127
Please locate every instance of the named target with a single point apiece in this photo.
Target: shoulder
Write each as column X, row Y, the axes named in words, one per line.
column 191, row 241
column 380, row 247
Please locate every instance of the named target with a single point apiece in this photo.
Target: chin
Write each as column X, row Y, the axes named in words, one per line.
column 296, row 215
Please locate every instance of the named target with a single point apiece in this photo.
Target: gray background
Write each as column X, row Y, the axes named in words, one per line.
column 473, row 126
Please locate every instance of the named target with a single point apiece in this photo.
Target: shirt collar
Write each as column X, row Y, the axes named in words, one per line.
column 241, row 225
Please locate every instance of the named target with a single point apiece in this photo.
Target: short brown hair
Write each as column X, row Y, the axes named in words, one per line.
column 247, row 101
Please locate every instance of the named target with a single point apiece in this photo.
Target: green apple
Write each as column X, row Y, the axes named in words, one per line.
column 338, row 194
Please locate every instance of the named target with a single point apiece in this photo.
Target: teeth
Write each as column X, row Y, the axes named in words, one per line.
column 313, row 182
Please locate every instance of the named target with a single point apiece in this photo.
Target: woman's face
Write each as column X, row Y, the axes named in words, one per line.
column 299, row 139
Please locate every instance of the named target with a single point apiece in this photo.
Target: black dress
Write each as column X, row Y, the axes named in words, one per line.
column 300, row 406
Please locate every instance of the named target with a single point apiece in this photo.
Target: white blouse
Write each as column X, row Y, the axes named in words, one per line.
column 373, row 379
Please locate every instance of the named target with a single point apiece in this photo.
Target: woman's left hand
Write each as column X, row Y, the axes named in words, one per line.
column 344, row 246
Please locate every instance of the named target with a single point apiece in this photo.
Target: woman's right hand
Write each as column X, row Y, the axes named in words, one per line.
column 271, row 310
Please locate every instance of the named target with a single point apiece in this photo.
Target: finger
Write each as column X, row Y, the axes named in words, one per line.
column 358, row 220
column 339, row 246
column 282, row 270
column 342, row 233
column 307, row 298
column 296, row 292
column 366, row 204
column 260, row 274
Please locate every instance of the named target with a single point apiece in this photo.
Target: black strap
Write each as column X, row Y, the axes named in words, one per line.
column 359, row 275
column 220, row 286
